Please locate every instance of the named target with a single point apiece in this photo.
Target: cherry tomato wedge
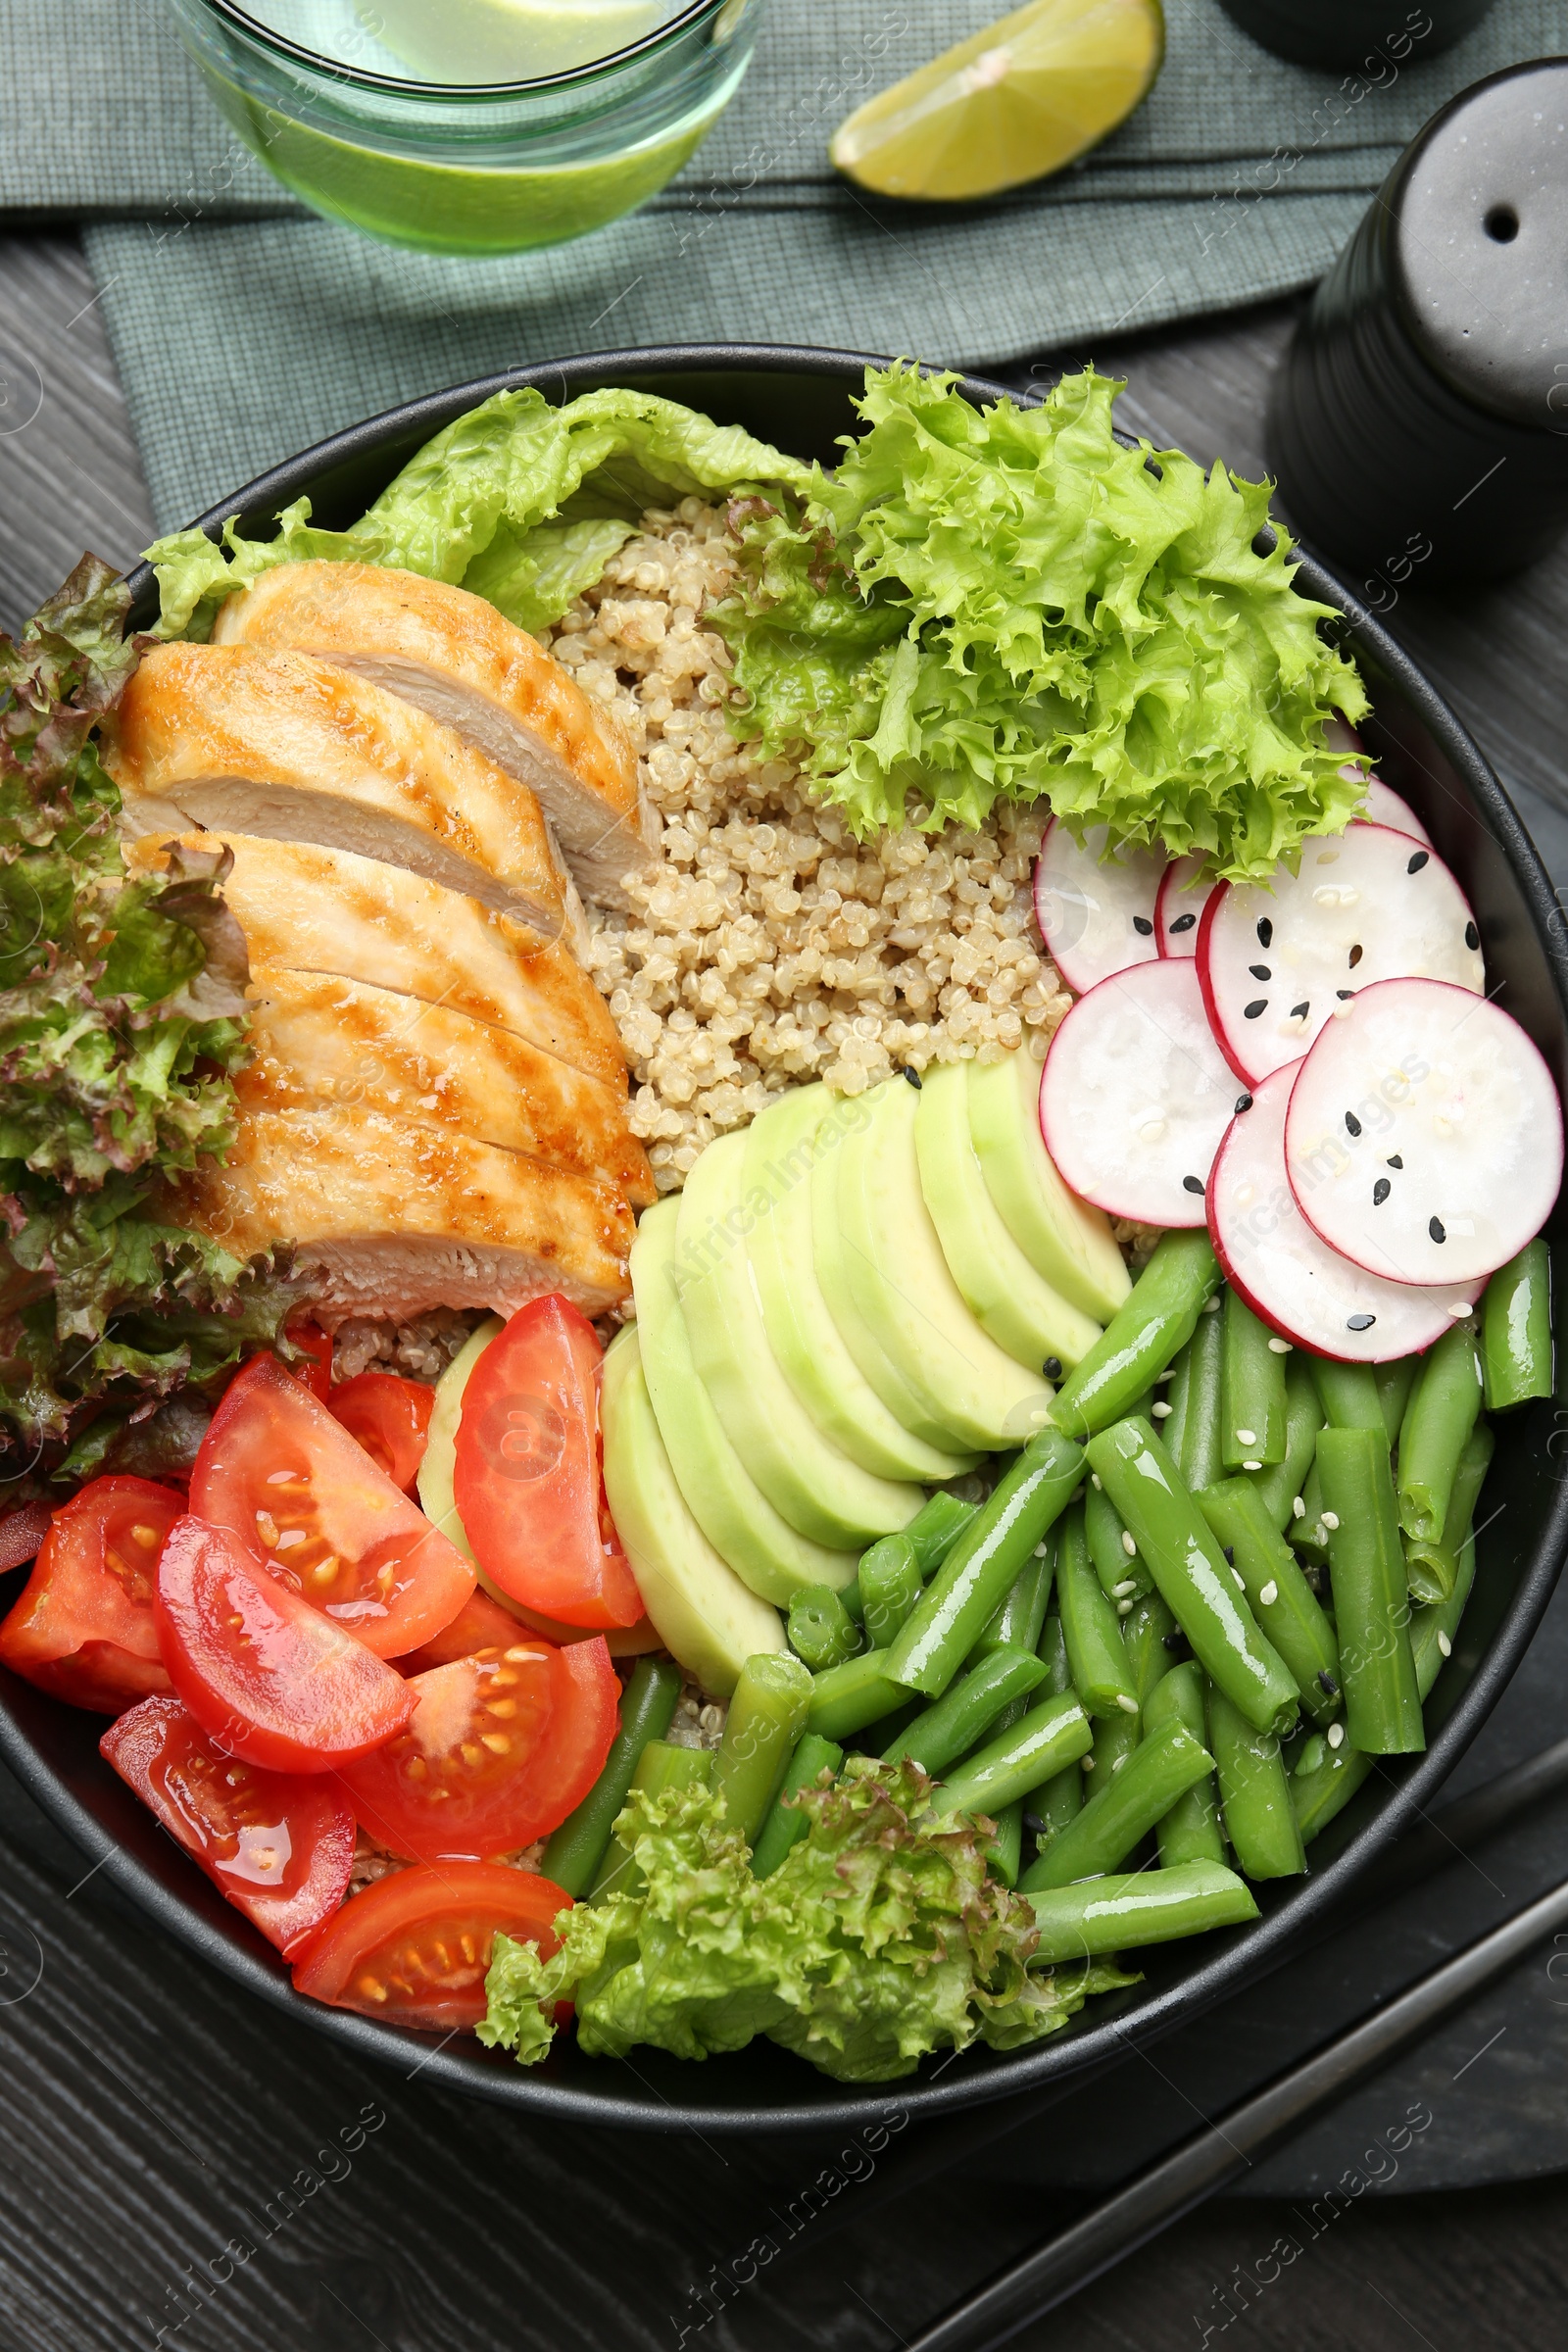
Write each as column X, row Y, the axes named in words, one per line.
column 315, row 1369
column 390, row 1417
column 21, row 1534
column 526, row 1476
column 413, row 1948
column 278, row 1845
column 83, row 1628
column 480, row 1624
column 267, row 1676
column 499, row 1749
column 311, row 1506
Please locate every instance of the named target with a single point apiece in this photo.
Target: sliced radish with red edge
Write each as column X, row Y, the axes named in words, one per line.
column 1366, row 905
column 1136, row 1095
column 1286, row 1273
column 1096, row 915
column 1384, row 807
column 1184, row 892
column 1424, row 1134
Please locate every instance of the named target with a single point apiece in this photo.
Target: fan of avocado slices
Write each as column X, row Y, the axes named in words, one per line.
column 121, row 1017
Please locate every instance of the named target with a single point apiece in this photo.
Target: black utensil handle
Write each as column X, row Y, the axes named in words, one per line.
column 1342, row 35
column 1159, row 2196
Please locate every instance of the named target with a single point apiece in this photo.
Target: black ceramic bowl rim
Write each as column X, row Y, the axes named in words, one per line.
column 672, row 2095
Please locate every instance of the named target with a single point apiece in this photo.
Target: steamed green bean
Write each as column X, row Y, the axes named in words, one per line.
column 1159, row 1770
column 786, row 1823
column 1282, row 1601
column 1443, row 1410
column 1279, row 1485
column 1254, row 1795
column 1516, row 1330
column 1096, row 1652
column 1156, row 1318
column 1148, row 1906
column 1190, row 1832
column 1372, row 1615
column 957, row 1723
column 1252, row 1388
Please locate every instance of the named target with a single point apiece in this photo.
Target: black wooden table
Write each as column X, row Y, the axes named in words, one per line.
column 178, row 2165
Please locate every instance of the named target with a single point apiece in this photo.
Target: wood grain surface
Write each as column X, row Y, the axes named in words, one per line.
column 174, row 2158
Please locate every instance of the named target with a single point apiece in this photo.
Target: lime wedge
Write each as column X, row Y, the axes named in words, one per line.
column 1011, row 103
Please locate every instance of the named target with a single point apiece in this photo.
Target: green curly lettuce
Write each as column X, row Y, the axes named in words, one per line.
column 879, row 1940
column 1011, row 604
column 518, row 501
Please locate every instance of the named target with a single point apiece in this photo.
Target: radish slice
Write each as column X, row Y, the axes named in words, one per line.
column 1095, row 918
column 1340, row 736
column 1424, row 1135
column 1179, row 906
column 1136, row 1095
column 1307, row 1291
column 1365, row 906
column 1384, row 807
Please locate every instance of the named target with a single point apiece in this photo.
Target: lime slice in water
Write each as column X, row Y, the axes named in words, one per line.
column 1011, row 103
column 511, row 41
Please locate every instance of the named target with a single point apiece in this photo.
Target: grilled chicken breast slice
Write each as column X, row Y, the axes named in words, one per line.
column 388, row 1218
column 231, row 738
column 454, row 655
column 321, row 1041
column 304, row 909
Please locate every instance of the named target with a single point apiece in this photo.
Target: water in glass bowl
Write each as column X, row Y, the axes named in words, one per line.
column 463, row 41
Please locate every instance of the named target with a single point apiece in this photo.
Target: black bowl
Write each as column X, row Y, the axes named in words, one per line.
column 802, row 400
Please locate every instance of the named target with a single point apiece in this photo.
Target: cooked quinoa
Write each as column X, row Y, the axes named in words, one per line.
column 769, row 946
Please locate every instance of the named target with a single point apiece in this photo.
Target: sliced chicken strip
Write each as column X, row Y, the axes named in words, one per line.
column 321, row 1041
column 233, row 739
column 387, row 1218
column 311, row 909
column 456, row 657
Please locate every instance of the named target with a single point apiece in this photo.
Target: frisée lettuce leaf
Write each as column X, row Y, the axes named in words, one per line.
column 1007, row 602
column 878, row 1939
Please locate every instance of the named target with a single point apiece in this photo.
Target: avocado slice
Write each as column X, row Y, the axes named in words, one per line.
column 1067, row 1243
column 437, row 1498
column 809, row 1480
column 781, row 1150
column 731, row 1509
column 905, row 1295
column 1000, row 1288
column 704, row 1614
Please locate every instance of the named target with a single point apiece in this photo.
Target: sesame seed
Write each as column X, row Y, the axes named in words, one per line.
column 1269, row 1594
column 1336, row 1735
column 1041, row 1550
column 1124, row 1608
column 1087, row 1763
column 1298, row 1507
column 1331, row 1520
column 1241, row 1580
column 1129, row 1584
column 1162, row 1410
column 1128, row 1706
column 1444, row 1644
column 1252, row 1465
column 1246, row 1436
column 1093, row 1480
column 1128, row 1546
column 1212, row 1305
column 1458, row 1309
column 1279, row 1347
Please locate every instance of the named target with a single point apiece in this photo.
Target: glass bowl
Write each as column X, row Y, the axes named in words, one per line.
column 332, row 97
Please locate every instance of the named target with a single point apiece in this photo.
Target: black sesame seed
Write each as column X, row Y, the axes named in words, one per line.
column 1261, row 971
column 1326, row 1683
column 1418, row 862
column 1472, row 937
column 1352, row 1122
column 1052, row 1367
column 1034, row 1824
column 1176, row 1642
column 1192, row 1184
column 1359, row 1322
column 914, row 1076
column 1242, row 1103
column 1230, row 1555
column 1394, row 1160
column 1265, row 931
column 1249, row 1012
column 1142, row 926
column 1298, row 1013
column 1436, row 1229
column 1184, row 922
column 1380, row 1191
column 1355, row 957
column 1343, row 993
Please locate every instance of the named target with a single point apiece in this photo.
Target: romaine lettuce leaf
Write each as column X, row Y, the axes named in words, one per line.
column 879, row 1940
column 470, row 507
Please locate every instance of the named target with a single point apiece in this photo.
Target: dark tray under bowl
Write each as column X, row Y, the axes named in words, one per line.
column 802, row 400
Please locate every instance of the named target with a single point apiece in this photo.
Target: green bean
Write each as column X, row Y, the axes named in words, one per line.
column 1306, row 1532
column 1200, row 1460
column 767, row 1717
column 661, row 1767
column 891, row 1584
column 1431, row 1631
column 1018, row 1621
column 850, row 1600
column 1252, row 1390
column 1024, row 1506
column 1281, row 1482
column 787, row 1823
column 1393, row 1383
column 1054, row 1734
column 1147, row 1631
column 1282, row 1601
column 1443, row 1410
column 1170, row 1411
column 937, row 1526
column 1195, row 1579
column 575, row 1850
column 1122, row 1575
column 1150, row 1906
column 1349, row 1395
column 1516, row 1324
column 1054, row 1802
column 1091, row 1628
column 1113, row 1743
column 1433, row 1569
column 1003, row 1852
column 821, row 1631
column 961, row 1717
column 1159, row 1770
column 1372, row 1616
column 848, row 1698
column 1155, row 1318
column 1326, row 1786
column 1254, row 1795
column 1190, row 1832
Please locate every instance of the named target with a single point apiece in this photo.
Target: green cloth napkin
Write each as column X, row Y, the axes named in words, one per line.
column 245, row 330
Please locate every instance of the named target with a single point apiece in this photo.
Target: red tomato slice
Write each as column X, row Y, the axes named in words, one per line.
column 21, row 1534
column 316, row 1373
column 309, row 1503
column 413, row 1948
column 390, row 1417
column 279, row 1845
column 83, row 1628
column 267, row 1676
column 500, row 1747
column 480, row 1624
column 528, row 1479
